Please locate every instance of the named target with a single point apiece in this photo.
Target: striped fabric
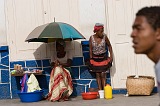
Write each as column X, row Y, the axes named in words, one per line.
column 60, row 81
column 101, row 63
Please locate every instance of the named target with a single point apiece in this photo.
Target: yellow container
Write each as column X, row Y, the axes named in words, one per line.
column 108, row 92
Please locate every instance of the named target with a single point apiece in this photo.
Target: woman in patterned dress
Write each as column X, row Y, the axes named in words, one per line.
column 60, row 85
column 99, row 59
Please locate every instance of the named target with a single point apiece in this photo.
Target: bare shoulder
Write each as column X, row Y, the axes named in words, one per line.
column 90, row 38
column 105, row 35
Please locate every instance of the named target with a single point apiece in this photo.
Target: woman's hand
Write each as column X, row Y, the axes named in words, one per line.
column 111, row 59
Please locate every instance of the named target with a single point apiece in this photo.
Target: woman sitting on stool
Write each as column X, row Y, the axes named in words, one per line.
column 60, row 85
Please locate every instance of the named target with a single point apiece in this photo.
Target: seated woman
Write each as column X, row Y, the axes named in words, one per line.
column 60, row 85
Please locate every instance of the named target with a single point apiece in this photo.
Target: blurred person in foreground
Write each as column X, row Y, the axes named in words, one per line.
column 100, row 62
column 146, row 36
column 60, row 85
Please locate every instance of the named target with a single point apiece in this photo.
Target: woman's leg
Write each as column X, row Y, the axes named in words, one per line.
column 98, row 78
column 103, row 79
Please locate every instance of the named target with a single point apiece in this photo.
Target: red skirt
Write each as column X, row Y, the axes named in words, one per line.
column 99, row 64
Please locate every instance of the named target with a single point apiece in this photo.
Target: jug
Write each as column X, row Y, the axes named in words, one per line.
column 108, row 92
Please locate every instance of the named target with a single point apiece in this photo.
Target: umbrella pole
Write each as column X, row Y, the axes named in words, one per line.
column 54, row 19
column 55, row 50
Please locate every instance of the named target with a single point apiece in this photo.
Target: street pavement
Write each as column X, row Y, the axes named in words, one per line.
column 118, row 100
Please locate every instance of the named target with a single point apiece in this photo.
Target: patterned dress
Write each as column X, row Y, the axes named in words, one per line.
column 99, row 61
column 60, row 84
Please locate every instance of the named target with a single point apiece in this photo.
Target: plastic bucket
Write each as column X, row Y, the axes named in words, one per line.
column 101, row 93
column 30, row 96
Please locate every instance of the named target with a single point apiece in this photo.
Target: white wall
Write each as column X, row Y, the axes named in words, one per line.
column 3, row 37
column 23, row 16
column 117, row 16
column 91, row 12
column 120, row 16
column 79, row 13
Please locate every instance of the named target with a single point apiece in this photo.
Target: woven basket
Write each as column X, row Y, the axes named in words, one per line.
column 140, row 86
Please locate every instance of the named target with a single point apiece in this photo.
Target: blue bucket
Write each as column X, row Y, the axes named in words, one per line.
column 31, row 96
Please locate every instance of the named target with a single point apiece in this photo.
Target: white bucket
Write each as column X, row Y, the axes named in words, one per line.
column 101, row 93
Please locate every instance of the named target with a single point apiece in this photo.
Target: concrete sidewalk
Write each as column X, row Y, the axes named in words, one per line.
column 118, row 100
